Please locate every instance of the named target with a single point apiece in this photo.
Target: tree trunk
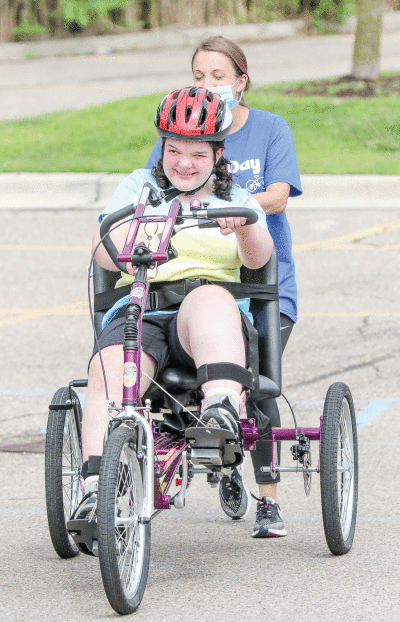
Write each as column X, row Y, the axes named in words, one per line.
column 367, row 43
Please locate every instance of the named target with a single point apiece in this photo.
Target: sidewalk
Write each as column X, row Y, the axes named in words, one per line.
column 82, row 191
column 171, row 38
column 147, row 40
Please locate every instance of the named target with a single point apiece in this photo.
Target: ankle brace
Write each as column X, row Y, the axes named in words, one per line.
column 91, row 466
column 225, row 371
column 217, row 395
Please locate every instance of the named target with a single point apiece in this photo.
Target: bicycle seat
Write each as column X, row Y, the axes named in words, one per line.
column 175, row 379
column 178, row 380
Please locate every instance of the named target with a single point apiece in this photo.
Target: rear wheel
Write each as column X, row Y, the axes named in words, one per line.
column 339, row 469
column 63, row 464
column 124, row 541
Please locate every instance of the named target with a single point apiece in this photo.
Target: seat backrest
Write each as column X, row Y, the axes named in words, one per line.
column 265, row 313
column 103, row 281
column 267, row 320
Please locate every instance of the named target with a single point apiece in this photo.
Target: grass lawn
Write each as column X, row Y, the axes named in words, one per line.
column 333, row 133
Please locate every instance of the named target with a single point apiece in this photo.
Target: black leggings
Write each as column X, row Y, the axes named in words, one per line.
column 262, row 455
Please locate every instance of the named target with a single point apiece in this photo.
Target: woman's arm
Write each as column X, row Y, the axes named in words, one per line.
column 274, row 199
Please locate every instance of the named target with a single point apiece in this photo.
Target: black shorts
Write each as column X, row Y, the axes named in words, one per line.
column 159, row 340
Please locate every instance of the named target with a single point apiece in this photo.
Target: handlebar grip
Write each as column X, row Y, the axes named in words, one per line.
column 105, row 227
column 234, row 212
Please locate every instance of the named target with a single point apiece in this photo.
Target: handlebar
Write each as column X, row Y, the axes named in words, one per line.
column 105, row 227
column 223, row 212
column 211, row 214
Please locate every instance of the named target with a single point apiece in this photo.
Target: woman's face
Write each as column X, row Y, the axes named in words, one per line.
column 216, row 69
column 188, row 164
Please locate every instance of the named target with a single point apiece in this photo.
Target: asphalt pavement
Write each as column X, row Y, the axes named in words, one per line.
column 204, row 567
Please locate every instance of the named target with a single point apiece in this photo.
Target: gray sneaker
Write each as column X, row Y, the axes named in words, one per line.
column 234, row 496
column 269, row 520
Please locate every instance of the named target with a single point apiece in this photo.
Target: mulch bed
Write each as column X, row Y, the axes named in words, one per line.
column 347, row 87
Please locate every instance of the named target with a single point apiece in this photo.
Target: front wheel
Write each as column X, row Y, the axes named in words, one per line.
column 339, row 469
column 124, row 541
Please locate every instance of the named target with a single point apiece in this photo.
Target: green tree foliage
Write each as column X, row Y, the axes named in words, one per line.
column 88, row 12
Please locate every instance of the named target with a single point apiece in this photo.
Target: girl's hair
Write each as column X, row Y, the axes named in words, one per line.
column 232, row 51
column 222, row 182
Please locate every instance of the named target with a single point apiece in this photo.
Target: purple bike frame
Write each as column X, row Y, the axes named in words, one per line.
column 168, row 450
column 139, row 293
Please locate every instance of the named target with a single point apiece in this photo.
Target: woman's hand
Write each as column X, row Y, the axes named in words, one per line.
column 231, row 225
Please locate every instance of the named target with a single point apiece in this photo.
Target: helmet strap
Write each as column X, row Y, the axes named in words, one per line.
column 171, row 193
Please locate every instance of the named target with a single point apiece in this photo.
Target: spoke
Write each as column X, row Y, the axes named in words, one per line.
column 346, row 459
column 70, row 463
column 345, row 502
column 127, row 528
column 131, row 550
column 347, row 454
column 346, row 447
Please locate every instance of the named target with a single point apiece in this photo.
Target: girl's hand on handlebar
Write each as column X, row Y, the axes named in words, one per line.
column 231, row 225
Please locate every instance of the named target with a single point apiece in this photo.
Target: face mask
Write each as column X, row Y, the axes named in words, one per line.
column 226, row 93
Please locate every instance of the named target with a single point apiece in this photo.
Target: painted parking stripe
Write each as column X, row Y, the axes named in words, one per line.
column 372, row 411
column 349, row 237
column 75, row 308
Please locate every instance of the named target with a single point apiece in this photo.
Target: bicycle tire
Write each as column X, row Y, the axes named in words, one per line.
column 124, row 545
column 63, row 454
column 339, row 489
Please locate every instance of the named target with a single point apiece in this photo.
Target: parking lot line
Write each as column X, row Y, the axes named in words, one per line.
column 74, row 308
column 372, row 411
column 81, row 308
column 349, row 237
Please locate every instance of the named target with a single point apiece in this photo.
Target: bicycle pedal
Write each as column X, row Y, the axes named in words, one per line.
column 84, row 534
column 213, row 446
column 206, row 456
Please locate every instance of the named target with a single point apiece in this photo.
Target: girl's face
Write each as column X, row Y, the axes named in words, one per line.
column 188, row 164
column 216, row 69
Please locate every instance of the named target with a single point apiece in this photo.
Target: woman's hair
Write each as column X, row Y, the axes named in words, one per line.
column 232, row 51
column 222, row 182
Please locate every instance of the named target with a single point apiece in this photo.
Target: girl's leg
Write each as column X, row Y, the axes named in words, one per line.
column 95, row 415
column 210, row 331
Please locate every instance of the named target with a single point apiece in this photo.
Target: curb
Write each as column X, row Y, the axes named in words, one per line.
column 91, row 191
column 172, row 37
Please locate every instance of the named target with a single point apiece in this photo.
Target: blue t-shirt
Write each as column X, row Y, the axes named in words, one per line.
column 261, row 153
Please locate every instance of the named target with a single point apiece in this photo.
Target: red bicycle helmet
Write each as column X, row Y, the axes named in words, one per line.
column 194, row 114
